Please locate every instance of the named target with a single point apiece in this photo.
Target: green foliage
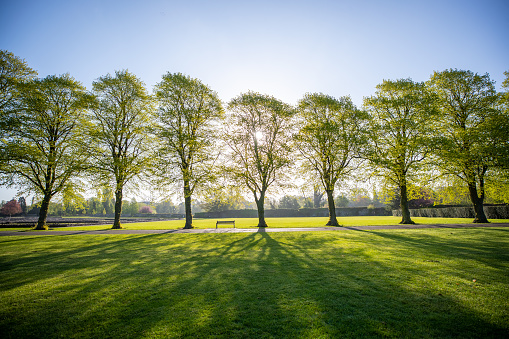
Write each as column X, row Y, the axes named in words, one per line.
column 226, row 198
column 330, row 139
column 467, row 103
column 13, row 72
column 497, row 188
column 500, row 129
column 166, row 207
column 132, row 208
column 119, row 134
column 259, row 135
column 341, row 201
column 73, row 201
column 187, row 126
column 289, row 201
column 330, row 136
column 472, row 129
column 403, row 118
column 45, row 147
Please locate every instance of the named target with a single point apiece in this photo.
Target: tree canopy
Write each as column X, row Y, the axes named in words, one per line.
column 469, row 123
column 401, row 133
column 13, row 71
column 330, row 139
column 187, row 121
column 45, row 146
column 119, row 134
column 259, row 135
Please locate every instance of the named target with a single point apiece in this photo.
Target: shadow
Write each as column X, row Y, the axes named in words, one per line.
column 255, row 285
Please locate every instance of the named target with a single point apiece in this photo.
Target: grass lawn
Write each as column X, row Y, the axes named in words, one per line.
column 425, row 283
column 276, row 223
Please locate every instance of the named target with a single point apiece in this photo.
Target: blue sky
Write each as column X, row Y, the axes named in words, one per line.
column 282, row 48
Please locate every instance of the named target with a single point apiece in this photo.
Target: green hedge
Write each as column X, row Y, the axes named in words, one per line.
column 491, row 211
column 303, row 212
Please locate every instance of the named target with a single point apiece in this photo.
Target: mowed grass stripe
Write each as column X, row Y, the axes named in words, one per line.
column 425, row 283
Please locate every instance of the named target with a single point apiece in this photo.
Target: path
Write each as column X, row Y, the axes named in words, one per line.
column 251, row 230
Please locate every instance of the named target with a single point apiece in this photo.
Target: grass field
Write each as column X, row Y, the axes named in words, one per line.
column 426, row 283
column 278, row 223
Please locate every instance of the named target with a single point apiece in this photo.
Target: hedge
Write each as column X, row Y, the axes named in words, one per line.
column 303, row 212
column 491, row 211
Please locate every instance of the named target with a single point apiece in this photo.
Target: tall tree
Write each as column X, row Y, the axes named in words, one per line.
column 120, row 140
column 400, row 133
column 259, row 135
column 187, row 123
column 45, row 144
column 317, row 196
column 468, row 126
column 330, row 138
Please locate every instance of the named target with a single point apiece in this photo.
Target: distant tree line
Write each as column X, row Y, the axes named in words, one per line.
column 57, row 137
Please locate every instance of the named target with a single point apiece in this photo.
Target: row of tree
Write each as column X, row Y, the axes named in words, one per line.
column 54, row 132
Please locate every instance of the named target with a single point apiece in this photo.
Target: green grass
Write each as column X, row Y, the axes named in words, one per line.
column 297, row 222
column 277, row 223
column 426, row 283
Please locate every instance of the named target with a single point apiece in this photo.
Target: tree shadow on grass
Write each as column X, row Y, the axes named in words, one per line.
column 239, row 285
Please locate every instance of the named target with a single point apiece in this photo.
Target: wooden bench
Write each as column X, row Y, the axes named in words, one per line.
column 225, row 222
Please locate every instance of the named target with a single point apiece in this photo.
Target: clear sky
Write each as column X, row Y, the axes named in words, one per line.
column 281, row 48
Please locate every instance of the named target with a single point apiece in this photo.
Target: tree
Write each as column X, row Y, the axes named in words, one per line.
column 401, row 139
column 341, row 201
column 146, row 210
column 259, row 135
column 45, row 148
column 72, row 201
column 120, row 143
column 11, row 208
column 166, row 207
column 23, row 204
column 468, row 127
column 289, row 202
column 330, row 139
column 317, row 197
column 134, row 207
column 219, row 199
column 187, row 119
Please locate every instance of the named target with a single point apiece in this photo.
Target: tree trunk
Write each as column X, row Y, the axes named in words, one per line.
column 405, row 211
column 187, row 203
column 43, row 213
column 478, row 202
column 118, row 209
column 261, row 210
column 189, row 215
column 333, row 221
